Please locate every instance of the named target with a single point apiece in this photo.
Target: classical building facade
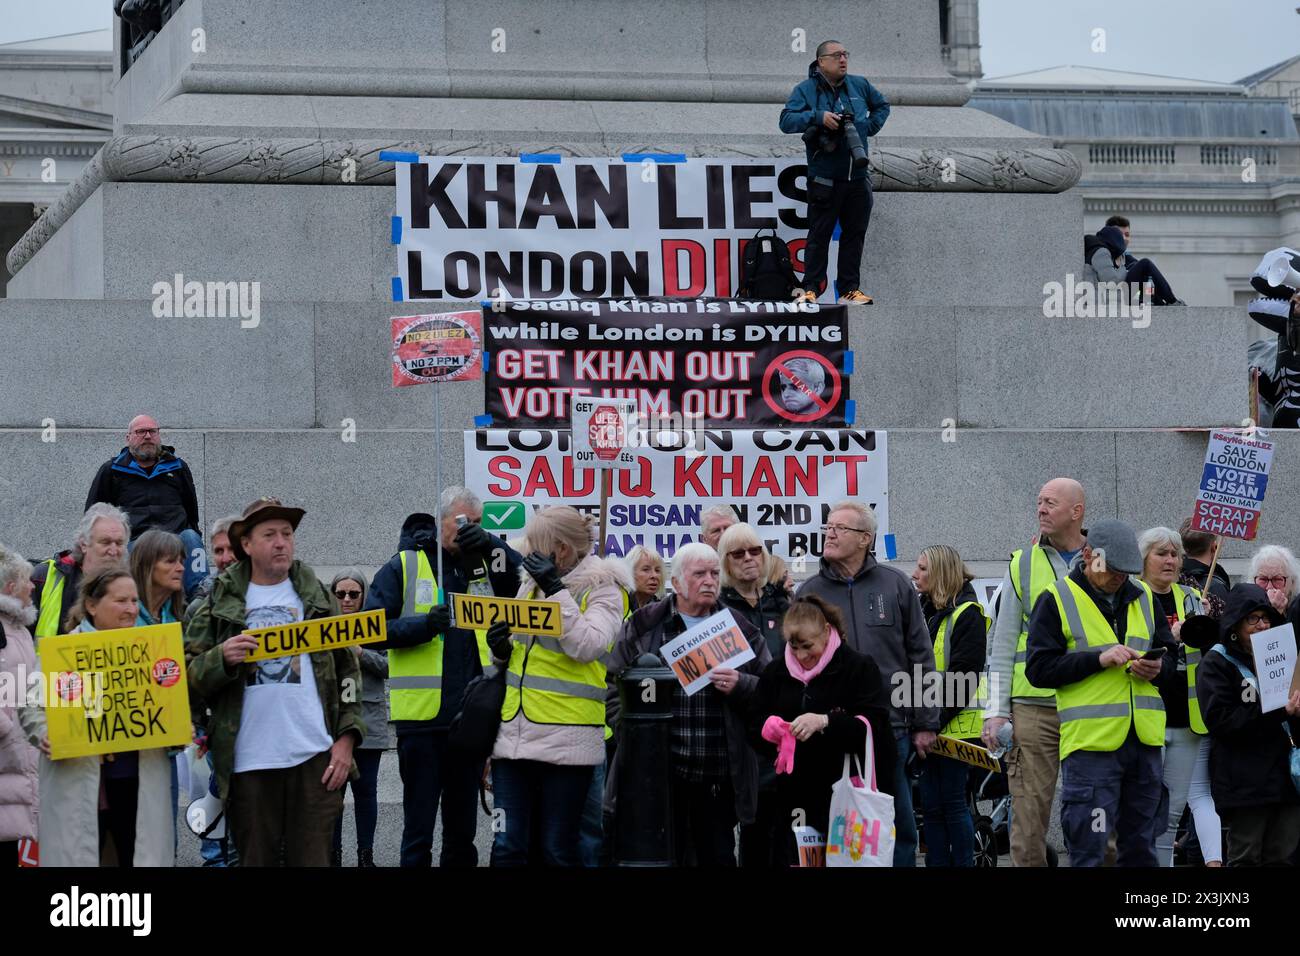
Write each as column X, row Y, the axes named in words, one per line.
column 55, row 113
column 1209, row 173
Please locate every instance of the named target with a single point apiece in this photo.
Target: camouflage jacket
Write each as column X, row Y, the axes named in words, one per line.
column 338, row 674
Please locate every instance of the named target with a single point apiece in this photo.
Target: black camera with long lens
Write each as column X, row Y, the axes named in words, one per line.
column 854, row 140
column 819, row 137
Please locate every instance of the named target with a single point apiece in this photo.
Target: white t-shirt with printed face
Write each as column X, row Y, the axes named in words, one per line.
column 282, row 723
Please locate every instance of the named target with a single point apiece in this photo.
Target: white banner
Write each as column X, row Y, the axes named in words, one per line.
column 781, row 481
column 574, row 227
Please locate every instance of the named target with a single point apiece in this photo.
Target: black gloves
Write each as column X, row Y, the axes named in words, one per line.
column 472, row 539
column 542, row 569
column 498, row 641
column 438, row 619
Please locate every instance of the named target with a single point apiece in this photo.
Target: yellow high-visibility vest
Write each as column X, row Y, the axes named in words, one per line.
column 48, row 624
column 415, row 673
column 549, row 687
column 1096, row 712
column 1186, row 603
column 1029, row 580
column 968, row 723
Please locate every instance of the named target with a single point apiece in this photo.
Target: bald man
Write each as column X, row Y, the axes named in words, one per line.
column 156, row 490
column 1033, row 762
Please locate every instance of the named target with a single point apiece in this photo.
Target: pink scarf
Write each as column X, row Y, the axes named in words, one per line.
column 805, row 676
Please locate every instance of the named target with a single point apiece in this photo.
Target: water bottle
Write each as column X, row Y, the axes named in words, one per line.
column 1004, row 741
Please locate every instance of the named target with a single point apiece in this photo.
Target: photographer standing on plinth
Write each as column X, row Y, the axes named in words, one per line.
column 835, row 113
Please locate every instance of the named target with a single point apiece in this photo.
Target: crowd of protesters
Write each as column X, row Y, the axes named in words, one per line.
column 1108, row 673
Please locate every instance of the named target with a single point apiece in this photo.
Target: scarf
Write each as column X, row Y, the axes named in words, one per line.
column 806, row 676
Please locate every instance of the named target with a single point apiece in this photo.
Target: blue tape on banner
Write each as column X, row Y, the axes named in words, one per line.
column 850, row 411
column 397, row 230
column 848, row 362
column 482, row 421
column 397, row 288
column 549, row 158
column 654, row 157
column 396, row 156
column 891, row 549
column 487, row 361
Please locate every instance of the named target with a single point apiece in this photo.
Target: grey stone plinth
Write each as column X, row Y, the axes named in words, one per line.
column 1020, row 369
column 332, row 244
column 45, row 482
column 355, row 493
column 674, row 50
column 183, row 371
column 316, row 365
column 976, row 493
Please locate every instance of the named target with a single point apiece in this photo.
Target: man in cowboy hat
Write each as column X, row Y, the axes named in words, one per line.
column 282, row 730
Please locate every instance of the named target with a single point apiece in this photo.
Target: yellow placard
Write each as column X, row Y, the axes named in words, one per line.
column 320, row 634
column 113, row 691
column 966, row 753
column 477, row 612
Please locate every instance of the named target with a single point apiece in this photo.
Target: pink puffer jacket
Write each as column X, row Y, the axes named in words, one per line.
column 19, row 760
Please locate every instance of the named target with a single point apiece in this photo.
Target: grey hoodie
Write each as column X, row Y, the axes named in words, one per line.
column 883, row 616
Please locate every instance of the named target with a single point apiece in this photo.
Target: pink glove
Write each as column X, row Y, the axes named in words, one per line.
column 777, row 731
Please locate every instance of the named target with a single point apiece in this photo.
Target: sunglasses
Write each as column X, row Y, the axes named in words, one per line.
column 741, row 552
column 347, row 595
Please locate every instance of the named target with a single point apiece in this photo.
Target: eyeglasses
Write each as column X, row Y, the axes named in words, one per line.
column 741, row 552
column 1277, row 580
column 838, row 54
column 1259, row 617
column 347, row 595
column 144, row 431
column 839, row 529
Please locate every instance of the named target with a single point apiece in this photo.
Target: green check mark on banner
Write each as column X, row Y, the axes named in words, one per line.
column 503, row 515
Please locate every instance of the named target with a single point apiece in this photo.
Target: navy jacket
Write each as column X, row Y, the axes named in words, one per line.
column 1049, row 664
column 460, row 663
column 162, row 497
column 815, row 96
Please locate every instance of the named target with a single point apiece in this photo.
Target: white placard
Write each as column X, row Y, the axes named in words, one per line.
column 1274, row 652
column 715, row 642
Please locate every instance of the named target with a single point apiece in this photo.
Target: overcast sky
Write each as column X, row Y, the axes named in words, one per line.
column 1203, row 39
column 1200, row 39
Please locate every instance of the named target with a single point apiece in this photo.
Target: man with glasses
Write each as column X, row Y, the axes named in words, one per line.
column 884, row 619
column 837, row 191
column 156, row 490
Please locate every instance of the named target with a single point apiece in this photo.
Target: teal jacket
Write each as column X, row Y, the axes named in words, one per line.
column 815, row 96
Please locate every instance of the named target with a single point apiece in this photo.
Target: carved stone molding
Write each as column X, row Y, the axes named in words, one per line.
column 286, row 161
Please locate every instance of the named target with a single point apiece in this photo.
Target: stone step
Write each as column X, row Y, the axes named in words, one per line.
column 317, row 364
column 333, row 244
column 975, row 493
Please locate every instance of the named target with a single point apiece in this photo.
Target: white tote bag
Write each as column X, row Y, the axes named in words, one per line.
column 861, row 819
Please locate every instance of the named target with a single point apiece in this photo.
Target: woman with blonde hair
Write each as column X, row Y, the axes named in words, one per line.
column 647, row 568
column 958, row 628
column 746, row 590
column 552, row 735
